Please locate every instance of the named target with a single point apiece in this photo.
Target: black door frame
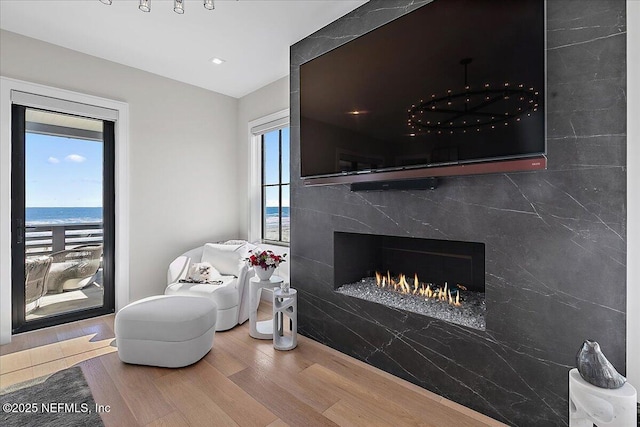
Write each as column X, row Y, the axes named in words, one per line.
column 19, row 323
column 18, row 128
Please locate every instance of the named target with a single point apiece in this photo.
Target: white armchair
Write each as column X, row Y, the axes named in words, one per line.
column 231, row 295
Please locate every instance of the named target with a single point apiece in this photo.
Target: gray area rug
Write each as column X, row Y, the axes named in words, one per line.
column 62, row 399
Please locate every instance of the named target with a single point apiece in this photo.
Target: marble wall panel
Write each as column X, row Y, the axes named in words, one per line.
column 555, row 239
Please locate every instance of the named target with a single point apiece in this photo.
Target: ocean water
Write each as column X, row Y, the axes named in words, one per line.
column 271, row 212
column 271, row 217
column 36, row 216
column 39, row 216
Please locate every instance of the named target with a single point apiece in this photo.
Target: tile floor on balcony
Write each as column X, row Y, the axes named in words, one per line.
column 52, row 304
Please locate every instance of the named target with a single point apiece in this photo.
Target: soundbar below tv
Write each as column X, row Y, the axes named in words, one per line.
column 515, row 165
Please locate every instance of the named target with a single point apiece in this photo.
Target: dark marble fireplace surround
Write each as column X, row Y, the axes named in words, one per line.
column 555, row 240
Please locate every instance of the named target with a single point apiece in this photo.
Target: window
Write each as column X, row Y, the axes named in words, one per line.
column 275, row 185
column 269, row 189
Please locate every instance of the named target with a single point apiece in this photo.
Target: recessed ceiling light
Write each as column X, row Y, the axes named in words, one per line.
column 357, row 112
column 217, row 61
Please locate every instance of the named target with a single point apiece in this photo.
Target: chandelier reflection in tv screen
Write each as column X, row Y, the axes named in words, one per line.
column 472, row 109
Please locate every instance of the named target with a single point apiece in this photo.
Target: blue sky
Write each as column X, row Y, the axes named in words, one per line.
column 271, row 166
column 63, row 172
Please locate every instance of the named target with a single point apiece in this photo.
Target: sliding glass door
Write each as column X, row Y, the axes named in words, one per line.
column 63, row 217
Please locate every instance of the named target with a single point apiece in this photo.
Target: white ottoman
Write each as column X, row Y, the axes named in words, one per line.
column 166, row 330
column 225, row 296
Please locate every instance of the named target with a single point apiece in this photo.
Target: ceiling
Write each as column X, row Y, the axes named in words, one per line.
column 252, row 36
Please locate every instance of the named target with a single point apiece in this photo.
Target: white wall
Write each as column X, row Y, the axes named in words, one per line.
column 183, row 152
column 633, row 193
column 267, row 100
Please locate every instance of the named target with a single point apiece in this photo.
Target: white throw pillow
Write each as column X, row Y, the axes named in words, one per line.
column 227, row 259
column 234, row 242
column 244, row 248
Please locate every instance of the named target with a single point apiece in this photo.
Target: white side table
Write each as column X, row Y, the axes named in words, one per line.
column 285, row 305
column 589, row 405
column 261, row 330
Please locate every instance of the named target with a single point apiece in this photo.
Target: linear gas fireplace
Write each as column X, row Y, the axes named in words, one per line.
column 438, row 278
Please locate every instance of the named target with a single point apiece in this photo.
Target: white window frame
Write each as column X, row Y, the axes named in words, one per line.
column 58, row 97
column 256, row 129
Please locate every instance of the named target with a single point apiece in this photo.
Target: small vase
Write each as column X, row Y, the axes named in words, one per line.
column 264, row 274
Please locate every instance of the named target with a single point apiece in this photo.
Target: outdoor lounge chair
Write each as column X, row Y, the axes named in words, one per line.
column 73, row 269
column 36, row 270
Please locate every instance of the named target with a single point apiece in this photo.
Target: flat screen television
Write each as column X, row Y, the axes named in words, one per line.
column 453, row 87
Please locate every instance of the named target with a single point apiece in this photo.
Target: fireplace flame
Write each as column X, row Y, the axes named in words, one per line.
column 426, row 290
column 404, row 286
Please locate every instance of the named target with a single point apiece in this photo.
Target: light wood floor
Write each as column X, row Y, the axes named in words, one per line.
column 241, row 382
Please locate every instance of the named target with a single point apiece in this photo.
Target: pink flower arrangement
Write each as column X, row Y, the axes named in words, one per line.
column 265, row 259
